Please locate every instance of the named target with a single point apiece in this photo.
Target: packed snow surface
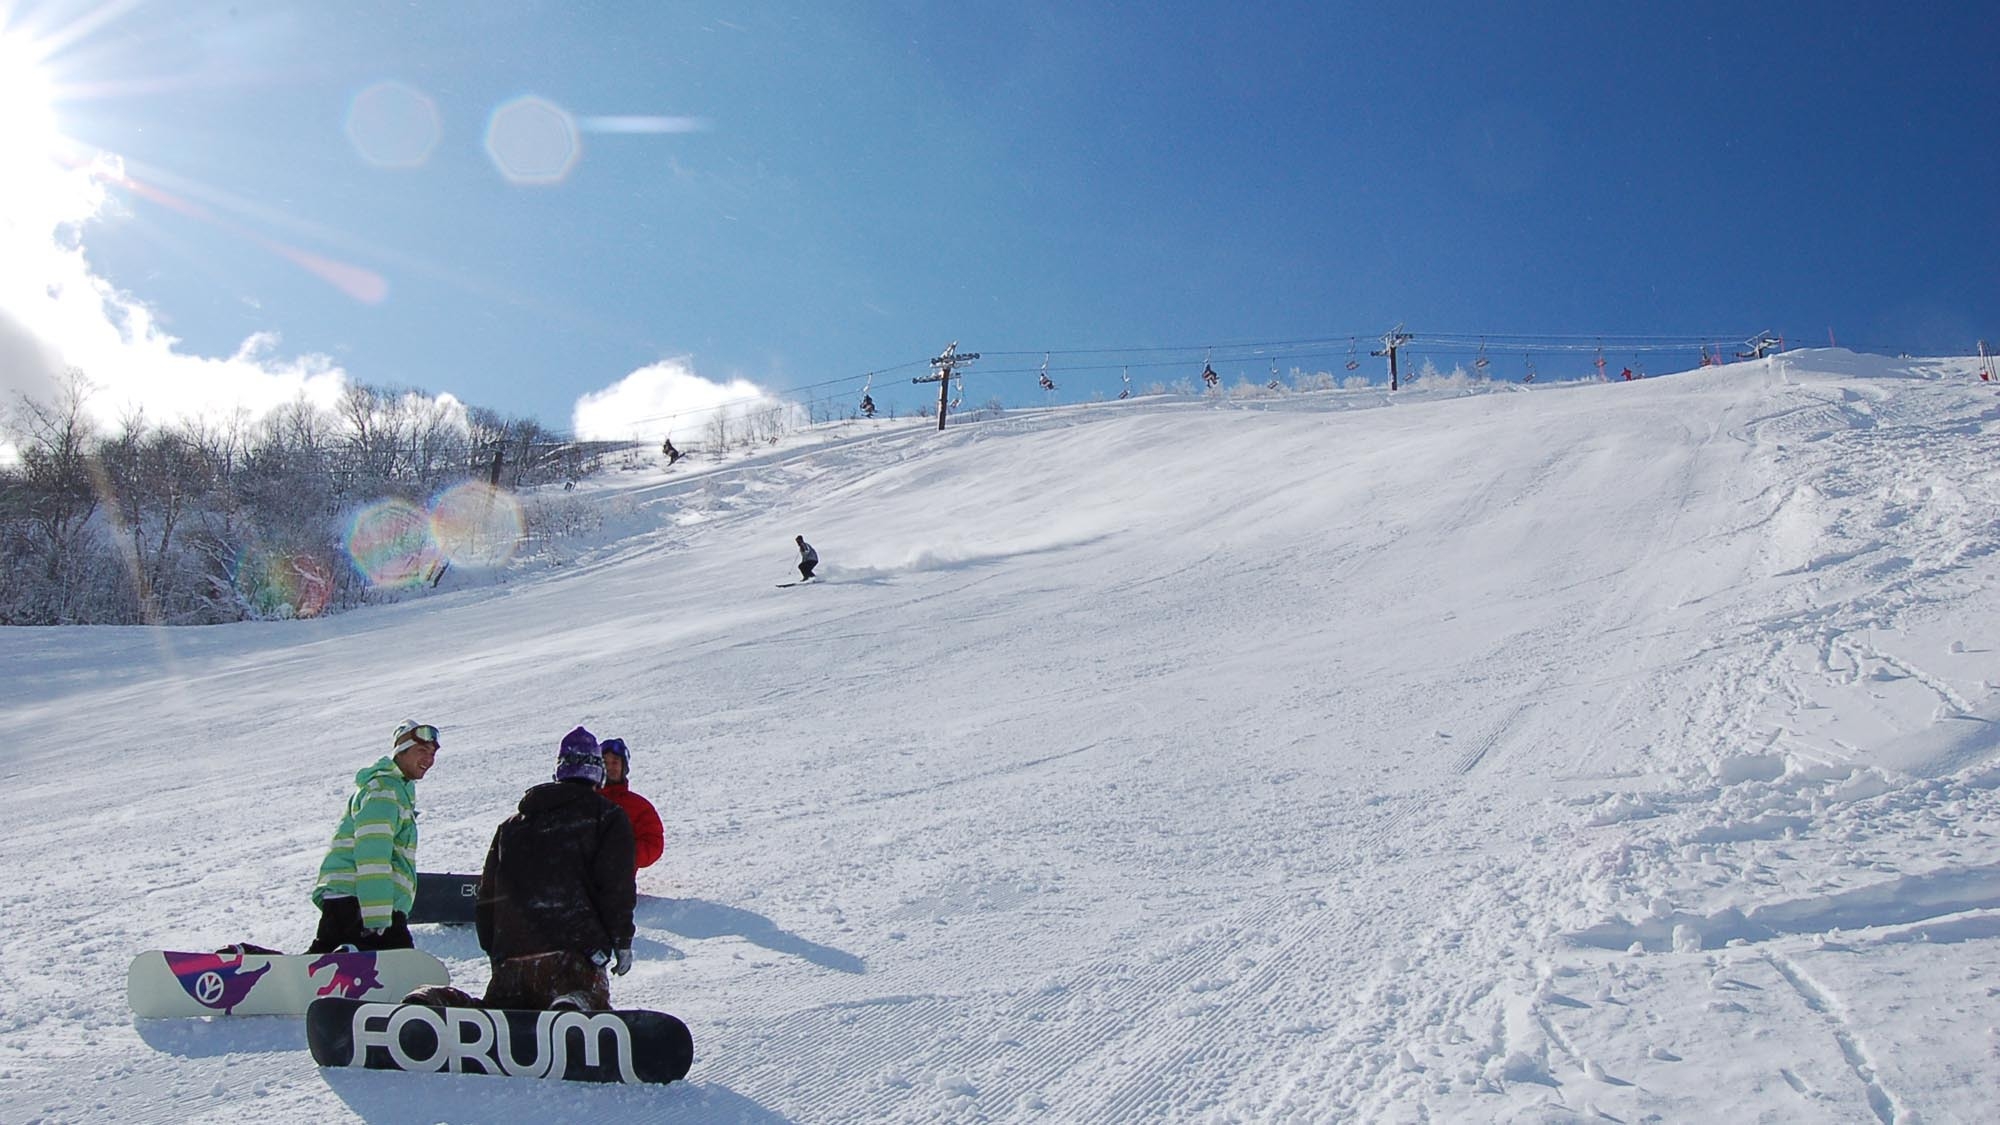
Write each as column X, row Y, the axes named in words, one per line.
column 1558, row 753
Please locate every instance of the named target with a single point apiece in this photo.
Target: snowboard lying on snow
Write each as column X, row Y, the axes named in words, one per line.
column 448, row 899
column 621, row 1046
column 277, row 984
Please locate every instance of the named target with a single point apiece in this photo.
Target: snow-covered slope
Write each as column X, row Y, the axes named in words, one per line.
column 1610, row 749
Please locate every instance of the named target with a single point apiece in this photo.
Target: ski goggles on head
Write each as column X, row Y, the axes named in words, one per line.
column 612, row 746
column 413, row 733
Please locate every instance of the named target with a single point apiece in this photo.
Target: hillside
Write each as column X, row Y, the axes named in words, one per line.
column 1544, row 754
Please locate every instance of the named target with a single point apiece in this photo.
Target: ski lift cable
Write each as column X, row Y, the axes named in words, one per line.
column 1293, row 348
column 1116, row 361
column 1560, row 336
column 1160, row 363
column 1434, row 341
column 1313, row 347
column 1431, row 341
column 1225, row 345
column 1454, row 342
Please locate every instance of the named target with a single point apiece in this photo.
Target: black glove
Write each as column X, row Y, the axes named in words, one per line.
column 623, row 962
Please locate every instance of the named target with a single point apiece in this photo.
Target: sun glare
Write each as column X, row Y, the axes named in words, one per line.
column 27, row 103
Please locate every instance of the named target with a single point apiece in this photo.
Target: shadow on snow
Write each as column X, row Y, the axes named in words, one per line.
column 696, row 918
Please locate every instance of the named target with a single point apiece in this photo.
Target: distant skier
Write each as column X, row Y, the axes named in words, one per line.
column 368, row 880
column 557, row 891
column 649, row 836
column 808, row 558
column 672, row 454
column 867, row 406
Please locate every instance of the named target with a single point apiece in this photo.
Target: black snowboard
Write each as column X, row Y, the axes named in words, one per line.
column 621, row 1046
column 448, row 899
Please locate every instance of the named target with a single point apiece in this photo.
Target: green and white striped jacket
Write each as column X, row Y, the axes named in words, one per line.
column 373, row 857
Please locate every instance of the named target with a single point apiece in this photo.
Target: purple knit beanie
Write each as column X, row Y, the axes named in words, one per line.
column 579, row 759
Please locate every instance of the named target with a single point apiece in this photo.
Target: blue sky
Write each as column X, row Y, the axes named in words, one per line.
column 837, row 188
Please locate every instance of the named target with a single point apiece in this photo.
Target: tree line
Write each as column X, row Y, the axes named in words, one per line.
column 201, row 522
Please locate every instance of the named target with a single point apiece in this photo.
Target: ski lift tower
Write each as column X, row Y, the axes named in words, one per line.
column 1391, row 340
column 1759, row 344
column 942, row 376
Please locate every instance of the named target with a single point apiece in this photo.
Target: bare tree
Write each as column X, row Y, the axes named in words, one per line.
column 55, row 498
column 145, row 482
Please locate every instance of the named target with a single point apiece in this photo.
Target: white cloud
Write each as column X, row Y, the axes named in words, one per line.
column 55, row 312
column 665, row 398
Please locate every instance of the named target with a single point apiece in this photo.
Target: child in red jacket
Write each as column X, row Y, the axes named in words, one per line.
column 649, row 838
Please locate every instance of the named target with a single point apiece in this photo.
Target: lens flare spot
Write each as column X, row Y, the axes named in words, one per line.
column 281, row 584
column 358, row 282
column 475, row 524
column 393, row 125
column 532, row 140
column 390, row 544
column 645, row 125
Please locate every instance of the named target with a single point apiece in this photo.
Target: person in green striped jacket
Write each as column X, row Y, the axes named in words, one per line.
column 369, row 877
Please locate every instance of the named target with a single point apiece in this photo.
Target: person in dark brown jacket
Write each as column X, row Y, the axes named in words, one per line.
column 557, row 891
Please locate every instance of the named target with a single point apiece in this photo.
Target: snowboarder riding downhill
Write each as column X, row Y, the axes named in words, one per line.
column 808, row 558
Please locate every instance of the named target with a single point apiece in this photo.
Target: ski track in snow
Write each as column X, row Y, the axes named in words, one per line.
column 1620, row 751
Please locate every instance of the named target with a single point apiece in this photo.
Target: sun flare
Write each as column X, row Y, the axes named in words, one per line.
column 28, row 129
column 46, row 178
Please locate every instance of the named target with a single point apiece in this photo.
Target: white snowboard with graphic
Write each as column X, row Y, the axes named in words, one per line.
column 254, row 984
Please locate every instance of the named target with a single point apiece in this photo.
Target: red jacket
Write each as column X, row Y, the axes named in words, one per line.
column 649, row 838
